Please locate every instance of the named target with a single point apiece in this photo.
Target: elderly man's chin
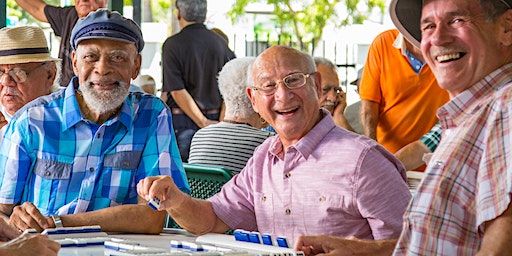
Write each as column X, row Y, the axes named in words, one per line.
column 103, row 99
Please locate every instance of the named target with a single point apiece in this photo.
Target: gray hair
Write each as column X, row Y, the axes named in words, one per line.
column 233, row 80
column 494, row 8
column 324, row 61
column 192, row 10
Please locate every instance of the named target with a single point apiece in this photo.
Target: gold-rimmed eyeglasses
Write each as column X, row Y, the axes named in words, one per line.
column 19, row 75
column 291, row 81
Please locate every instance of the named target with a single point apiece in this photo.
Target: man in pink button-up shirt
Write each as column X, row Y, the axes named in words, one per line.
column 312, row 178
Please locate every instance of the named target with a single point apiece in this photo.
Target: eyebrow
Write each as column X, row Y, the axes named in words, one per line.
column 448, row 14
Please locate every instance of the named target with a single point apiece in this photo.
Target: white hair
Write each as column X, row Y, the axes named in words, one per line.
column 233, row 80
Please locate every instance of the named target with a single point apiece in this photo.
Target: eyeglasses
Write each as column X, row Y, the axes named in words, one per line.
column 506, row 4
column 19, row 75
column 292, row 81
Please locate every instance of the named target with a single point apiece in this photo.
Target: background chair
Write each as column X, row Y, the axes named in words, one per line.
column 205, row 181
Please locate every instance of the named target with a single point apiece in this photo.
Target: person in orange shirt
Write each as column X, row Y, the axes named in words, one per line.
column 399, row 93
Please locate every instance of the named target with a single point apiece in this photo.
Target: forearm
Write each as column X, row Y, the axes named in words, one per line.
column 411, row 155
column 341, row 121
column 196, row 216
column 369, row 118
column 189, row 106
column 497, row 235
column 124, row 218
column 34, row 7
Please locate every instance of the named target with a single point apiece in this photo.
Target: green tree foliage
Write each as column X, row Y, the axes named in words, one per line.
column 306, row 19
column 14, row 10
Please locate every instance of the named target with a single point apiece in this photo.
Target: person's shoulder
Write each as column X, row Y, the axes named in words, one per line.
column 66, row 10
column 344, row 138
column 386, row 38
column 52, row 102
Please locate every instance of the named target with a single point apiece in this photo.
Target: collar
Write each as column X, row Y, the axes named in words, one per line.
column 73, row 114
column 194, row 26
column 399, row 44
column 450, row 114
column 307, row 144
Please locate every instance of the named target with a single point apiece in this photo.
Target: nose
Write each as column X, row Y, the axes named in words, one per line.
column 103, row 66
column 331, row 95
column 441, row 35
column 282, row 91
column 6, row 80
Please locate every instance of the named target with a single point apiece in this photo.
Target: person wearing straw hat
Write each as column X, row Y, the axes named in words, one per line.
column 62, row 20
column 462, row 206
column 74, row 157
column 27, row 70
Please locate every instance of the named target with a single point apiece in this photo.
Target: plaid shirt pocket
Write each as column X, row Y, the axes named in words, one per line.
column 119, row 176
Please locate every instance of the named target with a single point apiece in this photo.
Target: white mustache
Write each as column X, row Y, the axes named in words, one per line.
column 10, row 91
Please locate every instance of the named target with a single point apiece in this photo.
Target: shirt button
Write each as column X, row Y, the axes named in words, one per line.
column 287, row 175
column 47, row 173
column 288, row 211
column 91, row 169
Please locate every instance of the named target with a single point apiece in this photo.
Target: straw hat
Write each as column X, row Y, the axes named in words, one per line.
column 23, row 44
column 406, row 15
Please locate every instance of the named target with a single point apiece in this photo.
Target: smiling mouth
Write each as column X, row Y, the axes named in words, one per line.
column 450, row 57
column 288, row 111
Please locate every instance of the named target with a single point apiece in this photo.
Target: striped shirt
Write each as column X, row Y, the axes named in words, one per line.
column 226, row 144
column 432, row 138
column 63, row 163
column 331, row 182
column 467, row 181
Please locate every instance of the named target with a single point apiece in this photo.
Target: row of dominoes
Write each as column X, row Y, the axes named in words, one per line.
column 193, row 247
column 74, row 232
column 257, row 238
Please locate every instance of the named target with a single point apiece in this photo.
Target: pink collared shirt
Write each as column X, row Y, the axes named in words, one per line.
column 331, row 182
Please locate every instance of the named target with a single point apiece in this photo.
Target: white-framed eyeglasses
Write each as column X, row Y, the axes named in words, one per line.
column 19, row 75
column 291, row 81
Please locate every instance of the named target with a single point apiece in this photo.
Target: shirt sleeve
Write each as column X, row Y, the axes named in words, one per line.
column 56, row 16
column 494, row 177
column 161, row 155
column 432, row 138
column 381, row 193
column 172, row 76
column 370, row 88
column 234, row 204
column 15, row 163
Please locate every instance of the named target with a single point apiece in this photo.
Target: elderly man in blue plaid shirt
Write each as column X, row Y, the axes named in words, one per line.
column 73, row 158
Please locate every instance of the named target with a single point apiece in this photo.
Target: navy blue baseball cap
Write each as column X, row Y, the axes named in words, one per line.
column 109, row 25
column 406, row 15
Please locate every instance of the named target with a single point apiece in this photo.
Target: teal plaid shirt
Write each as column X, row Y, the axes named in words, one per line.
column 432, row 138
column 55, row 158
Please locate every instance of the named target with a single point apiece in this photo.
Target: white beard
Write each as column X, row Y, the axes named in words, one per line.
column 104, row 102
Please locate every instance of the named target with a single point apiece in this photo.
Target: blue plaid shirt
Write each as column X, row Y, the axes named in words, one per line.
column 63, row 163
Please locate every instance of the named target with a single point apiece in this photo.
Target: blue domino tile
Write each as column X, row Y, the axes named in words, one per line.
column 282, row 242
column 266, row 239
column 254, row 237
column 241, row 235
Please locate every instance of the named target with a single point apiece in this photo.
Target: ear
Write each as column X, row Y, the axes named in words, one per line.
column 250, row 93
column 73, row 61
column 136, row 68
column 505, row 28
column 318, row 83
column 52, row 74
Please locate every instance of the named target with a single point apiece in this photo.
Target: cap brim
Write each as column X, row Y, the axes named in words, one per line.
column 354, row 82
column 104, row 38
column 406, row 15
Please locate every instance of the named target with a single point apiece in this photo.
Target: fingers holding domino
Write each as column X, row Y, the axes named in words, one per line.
column 155, row 190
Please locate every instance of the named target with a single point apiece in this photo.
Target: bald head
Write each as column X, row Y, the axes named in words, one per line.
column 281, row 56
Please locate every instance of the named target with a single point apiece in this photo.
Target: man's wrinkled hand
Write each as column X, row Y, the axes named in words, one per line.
column 27, row 216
